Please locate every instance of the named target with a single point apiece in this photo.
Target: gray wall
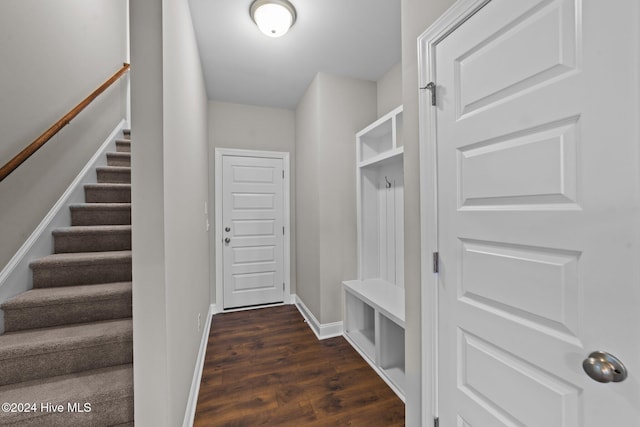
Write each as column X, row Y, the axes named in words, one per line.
column 390, row 90
column 417, row 15
column 249, row 127
column 169, row 189
column 306, row 178
column 333, row 109
column 54, row 54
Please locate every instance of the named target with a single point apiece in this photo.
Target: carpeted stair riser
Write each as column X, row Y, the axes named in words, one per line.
column 81, row 269
column 92, row 238
column 107, row 193
column 101, row 214
column 108, row 390
column 119, row 159
column 123, row 146
column 48, row 307
column 43, row 353
column 114, row 174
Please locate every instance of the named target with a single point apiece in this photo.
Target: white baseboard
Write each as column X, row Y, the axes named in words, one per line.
column 190, row 411
column 322, row 331
column 15, row 277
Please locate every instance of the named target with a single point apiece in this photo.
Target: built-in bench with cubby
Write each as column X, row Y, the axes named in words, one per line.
column 374, row 303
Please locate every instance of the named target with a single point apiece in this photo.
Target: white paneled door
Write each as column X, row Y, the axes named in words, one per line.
column 538, row 219
column 252, row 230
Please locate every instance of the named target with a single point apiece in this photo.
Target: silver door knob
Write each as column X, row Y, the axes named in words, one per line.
column 227, row 239
column 604, row 367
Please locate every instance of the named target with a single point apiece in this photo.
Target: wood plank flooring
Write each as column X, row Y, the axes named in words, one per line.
column 266, row 367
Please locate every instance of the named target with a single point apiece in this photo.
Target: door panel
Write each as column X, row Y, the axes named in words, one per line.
column 253, row 210
column 538, row 213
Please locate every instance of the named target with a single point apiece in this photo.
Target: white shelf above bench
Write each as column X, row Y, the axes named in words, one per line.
column 381, row 158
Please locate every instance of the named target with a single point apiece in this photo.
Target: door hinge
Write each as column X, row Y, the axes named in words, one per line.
column 432, row 87
column 436, row 422
column 283, row 231
column 436, row 261
column 282, row 173
column 282, row 286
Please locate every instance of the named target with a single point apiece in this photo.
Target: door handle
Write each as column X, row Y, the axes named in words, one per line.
column 227, row 239
column 227, row 229
column 604, row 367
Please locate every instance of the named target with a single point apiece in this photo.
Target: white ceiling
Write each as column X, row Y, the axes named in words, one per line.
column 355, row 38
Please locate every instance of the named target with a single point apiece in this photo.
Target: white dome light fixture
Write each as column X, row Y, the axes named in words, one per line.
column 273, row 17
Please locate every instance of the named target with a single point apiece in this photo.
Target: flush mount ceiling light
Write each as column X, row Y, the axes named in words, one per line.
column 273, row 17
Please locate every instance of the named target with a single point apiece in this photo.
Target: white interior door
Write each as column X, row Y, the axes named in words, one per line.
column 252, row 230
column 537, row 195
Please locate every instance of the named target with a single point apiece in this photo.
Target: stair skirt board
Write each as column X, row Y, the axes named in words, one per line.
column 322, row 331
column 15, row 277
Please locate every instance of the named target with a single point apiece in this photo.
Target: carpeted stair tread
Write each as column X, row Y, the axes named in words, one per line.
column 92, row 238
column 123, row 145
column 46, row 307
column 107, row 193
column 83, row 268
column 119, row 159
column 81, row 258
column 108, row 390
column 47, row 340
column 114, row 174
column 47, row 352
column 100, row 214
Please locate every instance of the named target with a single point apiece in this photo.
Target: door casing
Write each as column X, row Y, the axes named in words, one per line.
column 455, row 16
column 218, row 232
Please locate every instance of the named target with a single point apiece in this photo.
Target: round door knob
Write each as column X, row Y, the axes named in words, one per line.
column 227, row 229
column 604, row 367
column 227, row 239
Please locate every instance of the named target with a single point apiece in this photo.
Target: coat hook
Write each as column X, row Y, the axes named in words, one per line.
column 388, row 185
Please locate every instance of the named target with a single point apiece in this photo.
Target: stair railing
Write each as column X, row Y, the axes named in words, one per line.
column 21, row 157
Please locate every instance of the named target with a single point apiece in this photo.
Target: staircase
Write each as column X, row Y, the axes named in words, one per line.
column 67, row 350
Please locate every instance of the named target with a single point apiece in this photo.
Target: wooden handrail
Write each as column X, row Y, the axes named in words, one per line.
column 20, row 158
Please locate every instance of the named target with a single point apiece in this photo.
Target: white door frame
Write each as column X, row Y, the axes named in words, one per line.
column 219, row 153
column 455, row 16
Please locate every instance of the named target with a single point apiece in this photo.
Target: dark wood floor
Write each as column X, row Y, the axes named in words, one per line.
column 266, row 367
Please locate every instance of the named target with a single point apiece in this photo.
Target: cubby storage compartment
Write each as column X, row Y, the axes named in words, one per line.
column 378, row 304
column 381, row 139
column 360, row 324
column 392, row 352
column 376, row 139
